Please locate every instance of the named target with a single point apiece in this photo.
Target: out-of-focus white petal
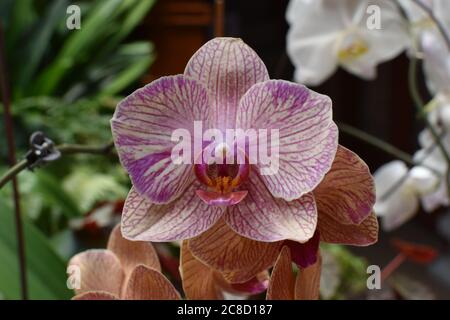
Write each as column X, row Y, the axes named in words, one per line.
column 396, row 201
column 423, row 180
column 436, row 62
column 381, row 44
column 325, row 34
column 311, row 39
column 434, row 200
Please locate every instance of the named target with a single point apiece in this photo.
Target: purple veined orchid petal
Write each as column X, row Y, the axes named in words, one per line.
column 184, row 218
column 213, row 198
column 228, row 68
column 308, row 137
column 262, row 217
column 143, row 125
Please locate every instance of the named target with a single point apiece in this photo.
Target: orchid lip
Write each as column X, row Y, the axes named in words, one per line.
column 218, row 199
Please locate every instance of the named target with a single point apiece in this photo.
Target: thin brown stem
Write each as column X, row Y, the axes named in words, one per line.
column 219, row 18
column 12, row 161
column 65, row 149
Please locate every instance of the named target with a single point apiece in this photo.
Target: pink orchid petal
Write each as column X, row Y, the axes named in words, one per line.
column 308, row 137
column 95, row 295
column 282, row 281
column 228, row 68
column 213, row 198
column 100, row 270
column 305, row 254
column 132, row 253
column 237, row 258
column 262, row 217
column 148, row 284
column 184, row 218
column 364, row 234
column 142, row 127
column 347, row 193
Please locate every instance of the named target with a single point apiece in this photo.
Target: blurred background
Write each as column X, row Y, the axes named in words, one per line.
column 66, row 83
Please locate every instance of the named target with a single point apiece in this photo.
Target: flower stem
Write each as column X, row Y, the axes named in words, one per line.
column 12, row 161
column 65, row 149
column 439, row 25
column 376, row 142
column 219, row 18
column 419, row 104
column 393, row 265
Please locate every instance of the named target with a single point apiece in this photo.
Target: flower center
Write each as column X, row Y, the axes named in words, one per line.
column 351, row 47
column 222, row 179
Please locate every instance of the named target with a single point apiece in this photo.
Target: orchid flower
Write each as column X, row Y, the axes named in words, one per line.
column 399, row 190
column 344, row 199
column 326, row 34
column 431, row 157
column 225, row 86
column 125, row 270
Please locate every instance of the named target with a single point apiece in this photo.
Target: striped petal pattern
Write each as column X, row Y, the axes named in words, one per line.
column 100, row 270
column 363, row 234
column 184, row 218
column 237, row 258
column 262, row 217
column 308, row 137
column 282, row 281
column 142, row 128
column 228, row 68
column 347, row 193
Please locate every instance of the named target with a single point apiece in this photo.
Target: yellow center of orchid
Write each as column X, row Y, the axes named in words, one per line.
column 353, row 50
column 225, row 184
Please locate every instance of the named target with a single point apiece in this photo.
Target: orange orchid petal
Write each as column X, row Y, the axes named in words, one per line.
column 100, row 270
column 149, row 284
column 282, row 282
column 95, row 295
column 307, row 284
column 199, row 281
column 416, row 252
column 237, row 258
column 132, row 253
column 363, row 234
column 347, row 193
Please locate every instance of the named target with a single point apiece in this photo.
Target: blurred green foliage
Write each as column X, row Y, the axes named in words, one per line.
column 65, row 83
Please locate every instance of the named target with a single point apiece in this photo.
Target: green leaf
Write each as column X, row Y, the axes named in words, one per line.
column 20, row 16
column 40, row 41
column 80, row 42
column 139, row 58
column 50, row 188
column 135, row 15
column 45, row 269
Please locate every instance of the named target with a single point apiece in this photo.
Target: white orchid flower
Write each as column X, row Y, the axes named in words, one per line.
column 420, row 21
column 326, row 34
column 398, row 191
column 431, row 157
